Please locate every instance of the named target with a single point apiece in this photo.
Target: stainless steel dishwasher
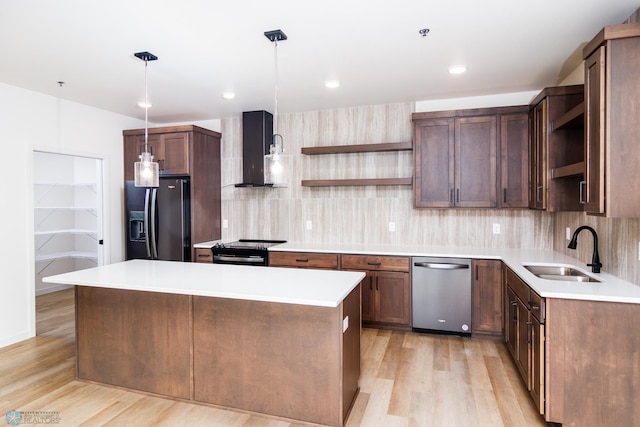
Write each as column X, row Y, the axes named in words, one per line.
column 441, row 294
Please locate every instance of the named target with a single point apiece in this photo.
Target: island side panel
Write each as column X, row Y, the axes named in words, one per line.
column 351, row 349
column 133, row 339
column 599, row 343
column 271, row 358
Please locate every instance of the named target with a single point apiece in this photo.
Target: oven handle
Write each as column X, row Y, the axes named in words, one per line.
column 229, row 258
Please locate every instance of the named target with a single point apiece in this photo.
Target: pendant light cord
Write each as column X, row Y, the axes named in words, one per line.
column 146, row 109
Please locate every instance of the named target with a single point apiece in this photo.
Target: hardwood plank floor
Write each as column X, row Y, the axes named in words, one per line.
column 407, row 379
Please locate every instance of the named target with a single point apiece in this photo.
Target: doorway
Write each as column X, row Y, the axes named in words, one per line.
column 68, row 216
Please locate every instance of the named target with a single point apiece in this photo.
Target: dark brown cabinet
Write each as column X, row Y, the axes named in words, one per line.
column 470, row 158
column 557, row 166
column 189, row 151
column 170, row 150
column 304, row 260
column 487, row 298
column 612, row 87
column 386, row 289
column 514, row 160
column 524, row 334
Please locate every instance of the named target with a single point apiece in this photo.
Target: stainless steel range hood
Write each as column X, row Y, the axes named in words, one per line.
column 257, row 131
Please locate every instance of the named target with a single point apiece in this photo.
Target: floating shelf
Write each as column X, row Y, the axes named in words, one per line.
column 69, row 254
column 575, row 169
column 358, row 148
column 355, row 182
column 574, row 118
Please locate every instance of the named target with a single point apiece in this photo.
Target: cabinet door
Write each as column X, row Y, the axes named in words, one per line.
column 434, row 163
column 511, row 325
column 175, row 154
column 368, row 297
column 133, row 146
column 593, row 194
column 393, row 297
column 523, row 351
column 514, row 161
column 487, row 297
column 538, row 175
column 475, row 162
column 536, row 374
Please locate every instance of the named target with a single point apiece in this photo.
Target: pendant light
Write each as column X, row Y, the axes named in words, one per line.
column 275, row 163
column 146, row 171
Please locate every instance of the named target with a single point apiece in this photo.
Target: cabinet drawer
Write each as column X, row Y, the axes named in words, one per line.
column 375, row 262
column 204, row 255
column 303, row 260
column 536, row 306
column 519, row 287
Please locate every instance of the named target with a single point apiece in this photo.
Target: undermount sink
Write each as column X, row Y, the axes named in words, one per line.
column 559, row 272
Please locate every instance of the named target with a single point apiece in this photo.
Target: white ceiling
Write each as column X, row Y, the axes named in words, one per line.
column 206, row 47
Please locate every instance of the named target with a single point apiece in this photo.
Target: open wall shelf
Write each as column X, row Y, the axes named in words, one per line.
column 357, row 148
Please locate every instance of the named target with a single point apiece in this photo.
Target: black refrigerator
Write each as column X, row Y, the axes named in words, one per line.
column 159, row 220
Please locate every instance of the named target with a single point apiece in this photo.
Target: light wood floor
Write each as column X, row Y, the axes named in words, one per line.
column 407, row 380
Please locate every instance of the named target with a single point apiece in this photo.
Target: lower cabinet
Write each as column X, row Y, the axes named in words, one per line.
column 487, row 298
column 203, row 255
column 524, row 334
column 304, row 260
column 386, row 289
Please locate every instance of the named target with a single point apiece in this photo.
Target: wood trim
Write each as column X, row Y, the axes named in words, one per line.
column 612, row 32
column 358, row 148
column 171, row 129
column 355, row 182
column 470, row 112
column 556, row 91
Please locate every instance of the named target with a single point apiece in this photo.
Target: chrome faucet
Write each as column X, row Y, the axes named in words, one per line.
column 595, row 258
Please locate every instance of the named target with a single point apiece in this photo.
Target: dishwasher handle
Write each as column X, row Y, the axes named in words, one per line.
column 441, row 265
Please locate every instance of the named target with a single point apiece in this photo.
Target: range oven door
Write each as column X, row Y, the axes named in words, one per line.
column 240, row 257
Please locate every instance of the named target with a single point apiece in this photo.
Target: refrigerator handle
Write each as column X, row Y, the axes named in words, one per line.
column 147, row 218
column 153, row 219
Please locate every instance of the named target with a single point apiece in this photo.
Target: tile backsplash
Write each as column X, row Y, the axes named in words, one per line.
column 362, row 213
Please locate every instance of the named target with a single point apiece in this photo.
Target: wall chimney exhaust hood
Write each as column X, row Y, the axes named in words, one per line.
column 257, row 132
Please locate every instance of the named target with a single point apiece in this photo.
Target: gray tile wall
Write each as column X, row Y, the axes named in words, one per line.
column 362, row 214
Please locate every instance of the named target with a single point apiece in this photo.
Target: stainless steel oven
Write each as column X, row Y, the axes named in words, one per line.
column 244, row 252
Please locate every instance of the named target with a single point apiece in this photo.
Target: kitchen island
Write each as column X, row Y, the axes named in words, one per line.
column 280, row 342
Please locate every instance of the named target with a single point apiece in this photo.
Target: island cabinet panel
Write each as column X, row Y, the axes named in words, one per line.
column 593, row 363
column 287, row 360
column 138, row 340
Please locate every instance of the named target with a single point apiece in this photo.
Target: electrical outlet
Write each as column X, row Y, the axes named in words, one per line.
column 225, row 223
column 392, row 226
column 496, row 228
column 568, row 233
column 309, row 225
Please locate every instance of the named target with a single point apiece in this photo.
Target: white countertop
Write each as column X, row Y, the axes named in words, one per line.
column 610, row 288
column 281, row 285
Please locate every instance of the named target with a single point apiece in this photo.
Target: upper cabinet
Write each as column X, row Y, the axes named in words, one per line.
column 170, row 150
column 185, row 151
column 556, row 120
column 470, row 158
column 612, row 88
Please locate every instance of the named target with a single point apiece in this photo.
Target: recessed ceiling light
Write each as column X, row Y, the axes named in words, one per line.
column 143, row 104
column 457, row 69
column 332, row 84
column 228, row 95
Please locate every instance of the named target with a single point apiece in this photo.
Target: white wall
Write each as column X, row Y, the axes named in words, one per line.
column 28, row 121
